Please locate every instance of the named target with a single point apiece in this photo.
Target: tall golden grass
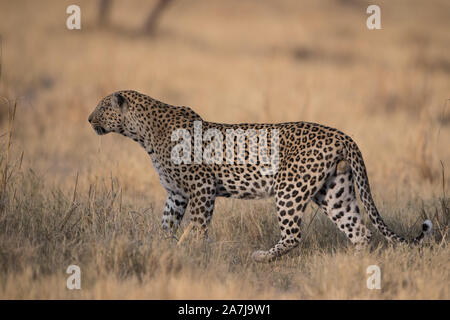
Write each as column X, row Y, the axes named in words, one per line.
column 71, row 197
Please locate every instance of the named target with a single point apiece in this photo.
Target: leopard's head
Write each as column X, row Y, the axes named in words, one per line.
column 110, row 114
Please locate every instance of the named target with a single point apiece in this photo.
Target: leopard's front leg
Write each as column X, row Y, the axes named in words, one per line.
column 174, row 211
column 202, row 207
column 202, row 200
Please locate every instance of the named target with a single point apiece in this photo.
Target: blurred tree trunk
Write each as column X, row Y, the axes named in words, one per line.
column 103, row 13
column 152, row 20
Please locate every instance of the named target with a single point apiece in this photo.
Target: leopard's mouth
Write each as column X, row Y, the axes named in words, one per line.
column 100, row 130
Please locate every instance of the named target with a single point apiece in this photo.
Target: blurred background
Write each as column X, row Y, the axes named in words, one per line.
column 231, row 61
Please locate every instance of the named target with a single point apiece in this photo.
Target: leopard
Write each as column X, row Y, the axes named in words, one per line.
column 313, row 163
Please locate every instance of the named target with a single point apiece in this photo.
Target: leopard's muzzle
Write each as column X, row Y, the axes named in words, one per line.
column 100, row 130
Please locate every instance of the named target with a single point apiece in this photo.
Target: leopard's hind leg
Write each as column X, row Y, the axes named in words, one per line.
column 338, row 200
column 292, row 195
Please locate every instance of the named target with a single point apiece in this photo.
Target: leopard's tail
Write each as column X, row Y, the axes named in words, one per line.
column 355, row 159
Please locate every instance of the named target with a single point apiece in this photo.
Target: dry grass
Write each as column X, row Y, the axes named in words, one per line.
column 71, row 197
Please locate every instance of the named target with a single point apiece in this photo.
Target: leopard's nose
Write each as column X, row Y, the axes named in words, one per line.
column 90, row 118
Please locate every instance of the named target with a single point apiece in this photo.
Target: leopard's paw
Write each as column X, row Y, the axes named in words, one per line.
column 261, row 256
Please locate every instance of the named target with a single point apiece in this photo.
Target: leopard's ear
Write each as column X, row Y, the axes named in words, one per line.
column 119, row 101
